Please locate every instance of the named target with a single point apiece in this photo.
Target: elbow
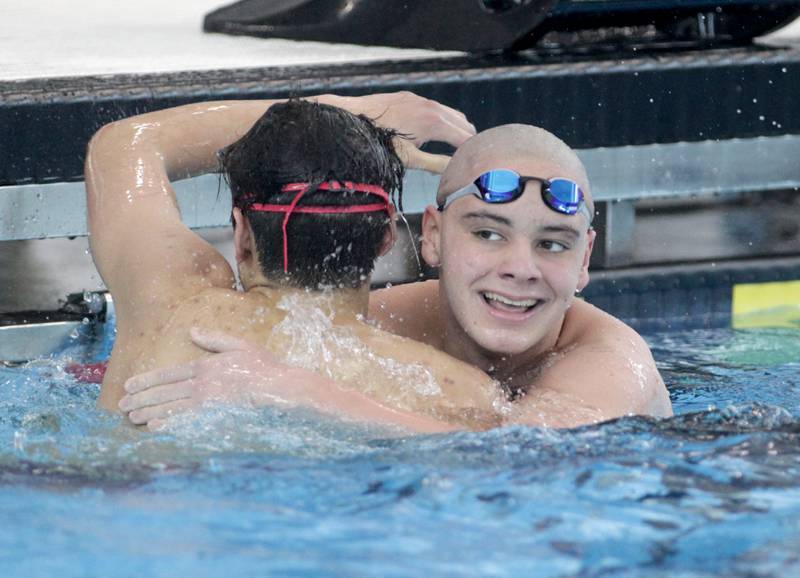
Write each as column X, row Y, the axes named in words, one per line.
column 93, row 167
column 101, row 143
column 104, row 167
column 108, row 137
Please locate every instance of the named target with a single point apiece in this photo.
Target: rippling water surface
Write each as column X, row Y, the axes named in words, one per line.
column 714, row 491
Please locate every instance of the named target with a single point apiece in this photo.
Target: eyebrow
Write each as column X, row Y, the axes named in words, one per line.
column 487, row 215
column 566, row 229
column 570, row 231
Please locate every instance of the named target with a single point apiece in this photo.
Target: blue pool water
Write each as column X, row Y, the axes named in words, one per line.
column 714, row 491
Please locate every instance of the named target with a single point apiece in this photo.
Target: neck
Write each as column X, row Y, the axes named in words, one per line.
column 505, row 368
column 511, row 370
column 348, row 305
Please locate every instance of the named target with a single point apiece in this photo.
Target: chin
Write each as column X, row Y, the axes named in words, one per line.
column 505, row 345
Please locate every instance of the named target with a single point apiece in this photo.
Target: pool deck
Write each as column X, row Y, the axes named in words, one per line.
column 46, row 39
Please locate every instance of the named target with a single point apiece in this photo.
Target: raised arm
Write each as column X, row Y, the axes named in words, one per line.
column 140, row 246
column 146, row 256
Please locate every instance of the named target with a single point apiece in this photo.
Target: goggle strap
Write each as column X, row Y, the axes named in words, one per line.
column 302, row 188
column 470, row 189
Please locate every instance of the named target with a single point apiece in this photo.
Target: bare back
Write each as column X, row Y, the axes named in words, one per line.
column 305, row 331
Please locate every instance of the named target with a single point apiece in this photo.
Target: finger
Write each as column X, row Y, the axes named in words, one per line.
column 417, row 159
column 162, row 376
column 218, row 341
column 156, row 396
column 156, row 424
column 447, row 114
column 452, row 132
column 458, row 119
column 163, row 411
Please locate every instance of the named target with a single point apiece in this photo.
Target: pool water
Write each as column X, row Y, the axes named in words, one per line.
column 714, row 491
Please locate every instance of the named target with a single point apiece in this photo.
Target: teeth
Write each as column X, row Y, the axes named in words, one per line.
column 506, row 301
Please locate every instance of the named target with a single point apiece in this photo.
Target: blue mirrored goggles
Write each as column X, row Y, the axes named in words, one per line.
column 504, row 185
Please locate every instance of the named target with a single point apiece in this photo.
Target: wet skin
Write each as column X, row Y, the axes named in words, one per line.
column 508, row 271
column 505, row 299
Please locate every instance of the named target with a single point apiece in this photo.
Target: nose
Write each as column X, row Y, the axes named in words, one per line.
column 519, row 262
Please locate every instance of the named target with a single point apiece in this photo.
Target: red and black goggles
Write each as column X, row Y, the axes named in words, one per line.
column 302, row 188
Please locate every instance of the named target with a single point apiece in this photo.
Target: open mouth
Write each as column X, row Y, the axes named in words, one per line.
column 503, row 303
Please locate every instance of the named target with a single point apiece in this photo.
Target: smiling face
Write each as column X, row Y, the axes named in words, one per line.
column 508, row 272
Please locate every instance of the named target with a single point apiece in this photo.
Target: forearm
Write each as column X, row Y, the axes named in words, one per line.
column 184, row 139
column 188, row 137
column 552, row 410
column 310, row 389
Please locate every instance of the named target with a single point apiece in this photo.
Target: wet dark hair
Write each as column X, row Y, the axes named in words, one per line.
column 304, row 142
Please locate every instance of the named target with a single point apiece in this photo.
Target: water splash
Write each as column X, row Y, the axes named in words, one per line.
column 313, row 341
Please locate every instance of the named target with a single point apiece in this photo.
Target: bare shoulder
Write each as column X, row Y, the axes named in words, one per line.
column 410, row 310
column 588, row 326
column 245, row 315
column 607, row 365
column 464, row 391
column 155, row 341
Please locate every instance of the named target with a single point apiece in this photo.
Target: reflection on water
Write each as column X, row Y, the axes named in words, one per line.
column 714, row 491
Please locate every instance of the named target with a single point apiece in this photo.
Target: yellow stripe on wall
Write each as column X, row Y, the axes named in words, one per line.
column 774, row 304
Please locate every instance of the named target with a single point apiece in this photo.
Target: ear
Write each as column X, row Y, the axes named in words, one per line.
column 431, row 236
column 583, row 278
column 242, row 236
column 390, row 236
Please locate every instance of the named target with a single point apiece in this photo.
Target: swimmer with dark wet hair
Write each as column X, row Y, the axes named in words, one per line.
column 312, row 187
column 511, row 237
